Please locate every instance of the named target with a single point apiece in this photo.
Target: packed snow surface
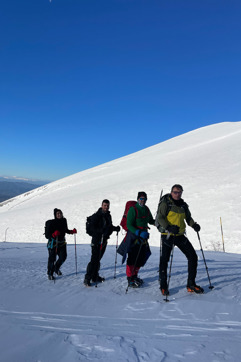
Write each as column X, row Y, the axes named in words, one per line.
column 43, row 321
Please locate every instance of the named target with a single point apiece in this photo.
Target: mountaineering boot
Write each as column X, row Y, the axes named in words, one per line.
column 163, row 288
column 195, row 289
column 87, row 283
column 138, row 280
column 58, row 272
column 132, row 283
column 51, row 277
column 99, row 279
column 164, row 291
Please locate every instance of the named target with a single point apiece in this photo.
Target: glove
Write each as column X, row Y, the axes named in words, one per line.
column 173, row 229
column 196, row 227
column 144, row 235
column 56, row 234
column 116, row 228
column 74, row 231
column 137, row 233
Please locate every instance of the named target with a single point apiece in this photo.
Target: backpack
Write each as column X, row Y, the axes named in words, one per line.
column 89, row 225
column 129, row 204
column 159, row 228
column 47, row 229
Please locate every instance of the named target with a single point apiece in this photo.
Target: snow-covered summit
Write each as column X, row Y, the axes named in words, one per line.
column 207, row 162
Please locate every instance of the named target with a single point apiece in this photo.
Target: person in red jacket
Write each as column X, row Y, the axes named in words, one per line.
column 57, row 244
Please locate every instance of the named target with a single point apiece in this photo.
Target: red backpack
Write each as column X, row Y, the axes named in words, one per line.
column 129, row 204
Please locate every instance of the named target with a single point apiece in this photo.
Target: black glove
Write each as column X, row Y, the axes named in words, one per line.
column 173, row 229
column 196, row 227
column 116, row 228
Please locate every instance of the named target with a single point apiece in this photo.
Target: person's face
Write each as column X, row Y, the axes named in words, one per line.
column 176, row 193
column 59, row 215
column 142, row 200
column 105, row 207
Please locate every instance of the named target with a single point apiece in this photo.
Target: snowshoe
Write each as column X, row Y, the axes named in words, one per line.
column 195, row 289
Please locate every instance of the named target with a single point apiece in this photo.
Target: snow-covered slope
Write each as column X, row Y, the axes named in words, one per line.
column 67, row 322
column 207, row 162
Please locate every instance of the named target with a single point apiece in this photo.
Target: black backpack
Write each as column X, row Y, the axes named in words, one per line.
column 47, row 230
column 89, row 225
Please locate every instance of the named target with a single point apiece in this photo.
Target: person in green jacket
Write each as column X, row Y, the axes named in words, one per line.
column 172, row 216
column 138, row 218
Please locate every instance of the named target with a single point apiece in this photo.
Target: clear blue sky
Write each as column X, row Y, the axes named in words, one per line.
column 83, row 82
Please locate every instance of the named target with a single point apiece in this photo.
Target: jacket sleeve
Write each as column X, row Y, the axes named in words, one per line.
column 189, row 218
column 66, row 230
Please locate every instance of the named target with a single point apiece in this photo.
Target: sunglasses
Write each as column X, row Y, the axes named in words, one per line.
column 142, row 198
column 177, row 192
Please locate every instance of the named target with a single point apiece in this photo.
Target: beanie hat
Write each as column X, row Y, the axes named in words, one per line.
column 141, row 194
column 55, row 212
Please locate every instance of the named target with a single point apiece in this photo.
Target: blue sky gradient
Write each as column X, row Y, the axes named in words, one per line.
column 84, row 82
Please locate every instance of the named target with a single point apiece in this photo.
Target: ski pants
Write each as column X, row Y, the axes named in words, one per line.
column 186, row 247
column 61, row 251
column 97, row 252
column 137, row 257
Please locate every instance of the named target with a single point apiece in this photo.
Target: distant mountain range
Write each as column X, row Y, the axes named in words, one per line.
column 11, row 187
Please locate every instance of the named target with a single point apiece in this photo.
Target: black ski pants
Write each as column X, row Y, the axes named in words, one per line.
column 186, row 247
column 137, row 255
column 61, row 251
column 97, row 252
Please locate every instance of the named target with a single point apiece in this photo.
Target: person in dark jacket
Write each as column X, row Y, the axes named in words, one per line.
column 102, row 228
column 171, row 216
column 57, row 244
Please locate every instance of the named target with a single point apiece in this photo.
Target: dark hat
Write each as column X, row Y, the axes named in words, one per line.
column 55, row 212
column 141, row 194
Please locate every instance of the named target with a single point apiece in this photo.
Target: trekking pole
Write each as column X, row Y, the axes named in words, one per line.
column 210, row 286
column 116, row 255
column 156, row 222
column 170, row 269
column 135, row 264
column 75, row 254
column 222, row 233
column 56, row 252
column 101, row 243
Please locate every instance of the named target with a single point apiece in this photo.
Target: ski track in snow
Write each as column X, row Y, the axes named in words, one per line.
column 70, row 322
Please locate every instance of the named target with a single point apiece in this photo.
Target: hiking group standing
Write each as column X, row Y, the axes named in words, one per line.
column 172, row 215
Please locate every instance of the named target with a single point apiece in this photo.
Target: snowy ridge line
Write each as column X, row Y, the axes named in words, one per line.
column 209, row 175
